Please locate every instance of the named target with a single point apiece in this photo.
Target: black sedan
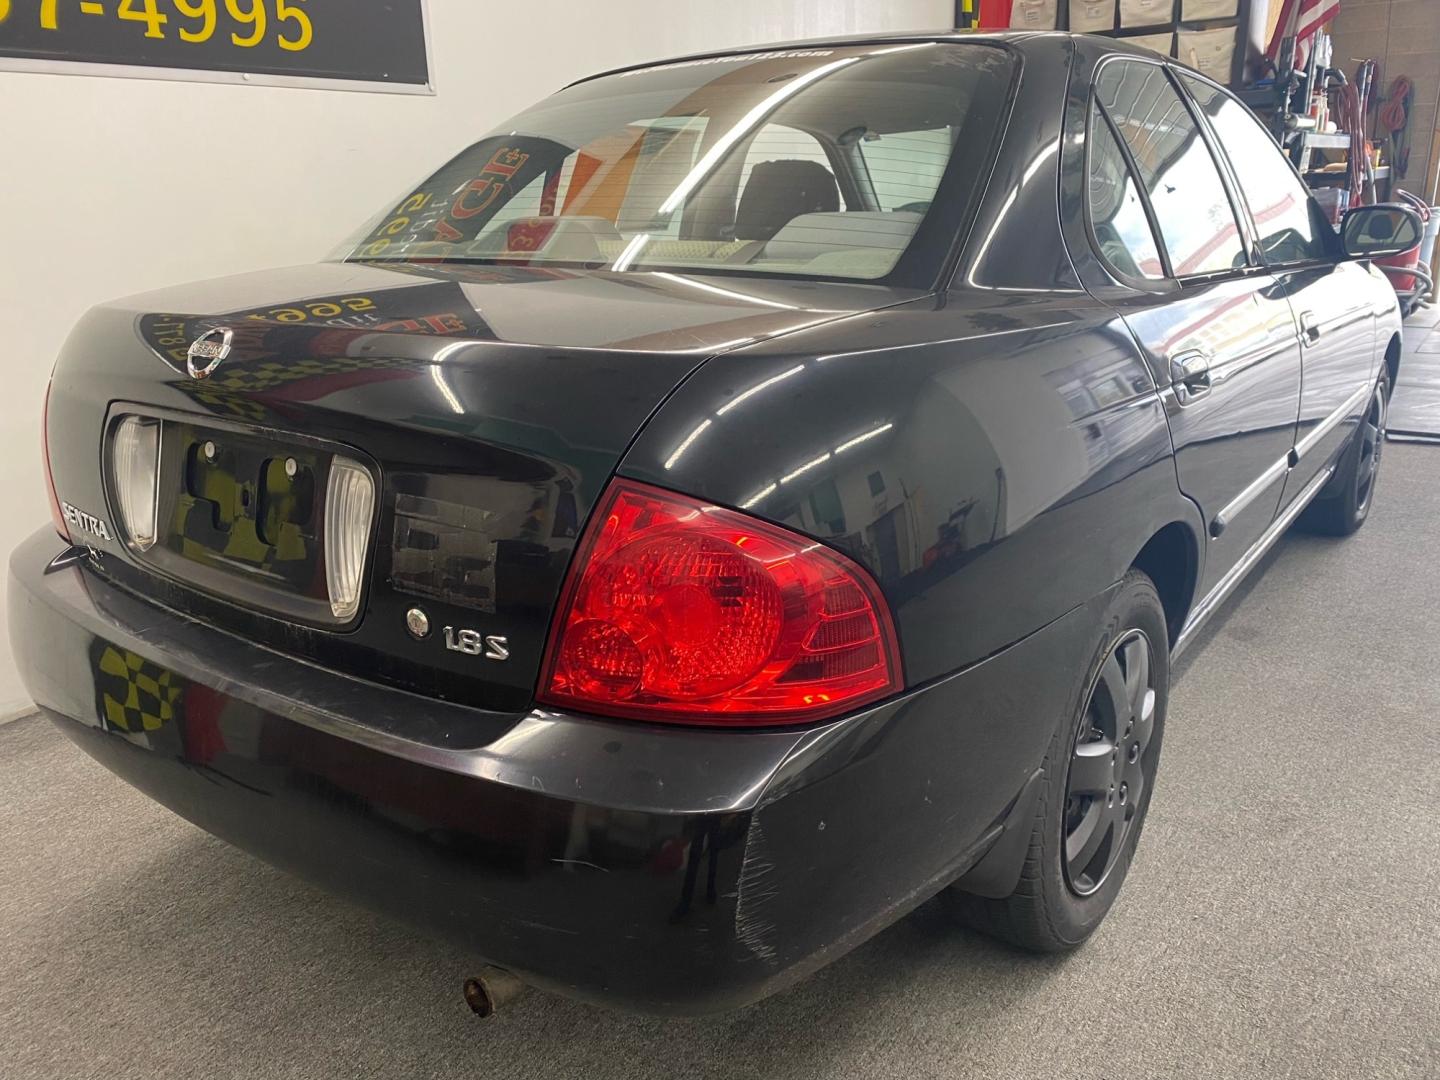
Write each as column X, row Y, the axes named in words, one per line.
column 734, row 501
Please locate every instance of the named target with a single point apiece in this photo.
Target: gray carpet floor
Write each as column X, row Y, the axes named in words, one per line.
column 1282, row 918
column 1415, row 404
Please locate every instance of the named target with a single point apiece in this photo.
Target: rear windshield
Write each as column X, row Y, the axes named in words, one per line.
column 821, row 162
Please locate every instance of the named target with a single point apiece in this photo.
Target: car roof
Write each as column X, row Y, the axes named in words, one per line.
column 896, row 37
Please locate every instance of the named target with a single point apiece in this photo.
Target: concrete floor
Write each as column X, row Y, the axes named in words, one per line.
column 1282, row 918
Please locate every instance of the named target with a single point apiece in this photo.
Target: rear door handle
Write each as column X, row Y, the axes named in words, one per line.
column 1190, row 375
column 1309, row 328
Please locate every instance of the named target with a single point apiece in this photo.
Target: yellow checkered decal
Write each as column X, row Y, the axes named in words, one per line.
column 194, row 523
column 135, row 695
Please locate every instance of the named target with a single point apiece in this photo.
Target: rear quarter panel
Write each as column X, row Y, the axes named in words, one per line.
column 995, row 461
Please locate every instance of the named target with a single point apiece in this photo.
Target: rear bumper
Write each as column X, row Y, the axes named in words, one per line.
column 658, row 869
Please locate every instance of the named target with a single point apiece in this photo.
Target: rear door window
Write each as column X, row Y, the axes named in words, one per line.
column 1197, row 223
column 1288, row 225
column 1117, row 215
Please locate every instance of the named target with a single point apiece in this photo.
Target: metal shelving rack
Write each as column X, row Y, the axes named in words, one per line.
column 1273, row 104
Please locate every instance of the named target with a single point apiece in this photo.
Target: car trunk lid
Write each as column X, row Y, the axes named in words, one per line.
column 491, row 405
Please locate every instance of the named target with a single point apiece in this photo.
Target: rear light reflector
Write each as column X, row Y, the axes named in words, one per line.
column 135, row 456
column 677, row 610
column 349, row 513
column 55, row 513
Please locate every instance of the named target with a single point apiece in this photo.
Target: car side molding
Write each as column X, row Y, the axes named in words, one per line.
column 1320, row 430
column 1216, row 596
column 1231, row 510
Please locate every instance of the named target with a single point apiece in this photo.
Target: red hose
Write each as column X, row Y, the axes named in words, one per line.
column 1350, row 119
column 1393, row 117
column 1395, row 111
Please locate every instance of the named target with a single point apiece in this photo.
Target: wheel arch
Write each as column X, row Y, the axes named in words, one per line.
column 1171, row 559
column 1392, row 359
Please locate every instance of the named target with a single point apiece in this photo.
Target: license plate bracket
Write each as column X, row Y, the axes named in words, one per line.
column 241, row 516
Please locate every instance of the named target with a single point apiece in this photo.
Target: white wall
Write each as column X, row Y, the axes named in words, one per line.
column 115, row 186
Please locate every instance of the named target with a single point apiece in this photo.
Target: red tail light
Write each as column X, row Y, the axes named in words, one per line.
column 49, row 476
column 676, row 610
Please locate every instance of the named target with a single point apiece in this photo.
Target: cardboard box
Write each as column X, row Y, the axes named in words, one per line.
column 1088, row 16
column 1192, row 10
column 1146, row 12
column 1160, row 43
column 1210, row 51
column 1034, row 14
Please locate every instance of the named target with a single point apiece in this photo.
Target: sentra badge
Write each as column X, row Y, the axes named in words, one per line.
column 206, row 351
column 85, row 522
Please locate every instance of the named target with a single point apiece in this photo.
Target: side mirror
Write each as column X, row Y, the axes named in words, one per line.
column 1371, row 232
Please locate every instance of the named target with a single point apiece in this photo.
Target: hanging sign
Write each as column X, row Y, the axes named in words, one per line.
column 338, row 44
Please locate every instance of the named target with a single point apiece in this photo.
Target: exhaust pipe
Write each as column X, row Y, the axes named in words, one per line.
column 490, row 989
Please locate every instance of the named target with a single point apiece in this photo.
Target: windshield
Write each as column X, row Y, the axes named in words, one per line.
column 823, row 162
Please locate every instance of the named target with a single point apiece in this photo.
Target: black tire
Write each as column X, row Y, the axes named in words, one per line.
column 1053, row 908
column 1342, row 507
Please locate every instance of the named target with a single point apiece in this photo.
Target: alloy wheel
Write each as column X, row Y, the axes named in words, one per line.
column 1109, row 764
column 1372, row 443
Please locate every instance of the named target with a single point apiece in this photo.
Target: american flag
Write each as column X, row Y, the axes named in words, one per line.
column 1302, row 18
